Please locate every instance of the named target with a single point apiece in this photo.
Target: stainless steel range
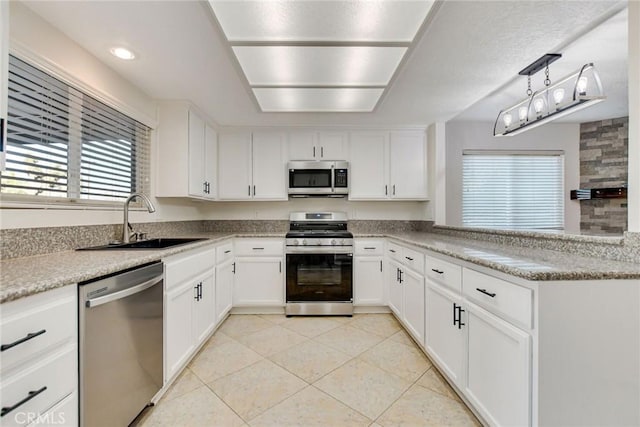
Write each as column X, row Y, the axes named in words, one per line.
column 319, row 252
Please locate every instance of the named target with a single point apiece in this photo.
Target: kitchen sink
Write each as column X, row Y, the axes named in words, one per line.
column 158, row 243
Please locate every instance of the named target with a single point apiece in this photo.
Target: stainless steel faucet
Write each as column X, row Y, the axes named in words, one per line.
column 125, row 226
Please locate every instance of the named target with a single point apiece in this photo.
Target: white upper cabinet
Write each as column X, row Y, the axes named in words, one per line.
column 388, row 165
column 187, row 147
column 269, row 166
column 369, row 166
column 312, row 145
column 408, row 165
column 252, row 166
column 4, row 72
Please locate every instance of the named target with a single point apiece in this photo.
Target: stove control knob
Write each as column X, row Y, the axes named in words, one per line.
column 342, row 242
column 304, row 242
column 296, row 242
column 333, row 242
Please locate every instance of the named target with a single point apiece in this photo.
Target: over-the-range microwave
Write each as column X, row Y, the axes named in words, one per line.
column 318, row 178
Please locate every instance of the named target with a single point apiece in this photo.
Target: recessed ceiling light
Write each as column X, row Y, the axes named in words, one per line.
column 122, row 53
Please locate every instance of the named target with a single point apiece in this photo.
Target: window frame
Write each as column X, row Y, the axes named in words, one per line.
column 560, row 154
column 24, row 201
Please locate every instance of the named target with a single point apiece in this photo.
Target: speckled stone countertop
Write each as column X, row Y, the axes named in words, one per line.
column 527, row 263
column 20, row 277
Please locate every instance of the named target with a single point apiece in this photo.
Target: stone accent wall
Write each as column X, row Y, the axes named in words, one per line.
column 603, row 163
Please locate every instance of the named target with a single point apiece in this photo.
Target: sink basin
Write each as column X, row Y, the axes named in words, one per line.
column 159, row 243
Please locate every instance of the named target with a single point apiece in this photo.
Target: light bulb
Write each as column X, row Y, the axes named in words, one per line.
column 507, row 119
column 538, row 105
column 558, row 95
column 122, row 53
column 522, row 114
column 581, row 86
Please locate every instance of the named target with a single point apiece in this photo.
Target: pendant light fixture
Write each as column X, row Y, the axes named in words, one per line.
column 568, row 95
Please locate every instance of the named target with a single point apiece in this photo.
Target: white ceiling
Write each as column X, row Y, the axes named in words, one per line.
column 468, row 50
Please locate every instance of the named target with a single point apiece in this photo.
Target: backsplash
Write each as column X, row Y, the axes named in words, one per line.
column 604, row 163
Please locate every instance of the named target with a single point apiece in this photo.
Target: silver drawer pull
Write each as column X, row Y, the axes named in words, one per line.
column 31, row 395
column 484, row 291
column 22, row 340
column 437, row 271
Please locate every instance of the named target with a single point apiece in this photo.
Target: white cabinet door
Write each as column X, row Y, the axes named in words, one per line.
column 210, row 162
column 269, row 166
column 444, row 341
column 368, row 277
column 499, row 368
column 179, row 328
column 259, row 281
column 331, row 146
column 408, row 165
column 368, row 168
column 224, row 289
column 394, row 288
column 234, row 166
column 413, row 303
column 204, row 308
column 302, row 145
column 4, row 70
column 196, row 155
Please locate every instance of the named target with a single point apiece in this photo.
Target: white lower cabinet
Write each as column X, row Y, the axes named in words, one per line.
column 224, row 289
column 258, row 272
column 394, row 288
column 413, row 303
column 499, row 369
column 444, row 340
column 190, row 314
column 368, row 273
column 39, row 366
column 259, row 281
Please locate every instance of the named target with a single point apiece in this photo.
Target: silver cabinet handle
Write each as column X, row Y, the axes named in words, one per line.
column 249, row 189
column 369, row 248
column 314, row 152
column 484, row 291
column 226, row 252
column 437, row 271
column 321, row 151
column 394, row 189
column 123, row 293
column 386, row 190
column 258, row 249
column 254, row 190
column 381, row 266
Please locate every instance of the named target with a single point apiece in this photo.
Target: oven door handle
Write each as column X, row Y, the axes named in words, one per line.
column 333, row 179
column 292, row 250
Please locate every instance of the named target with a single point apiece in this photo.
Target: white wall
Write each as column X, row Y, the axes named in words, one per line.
column 32, row 38
column 462, row 136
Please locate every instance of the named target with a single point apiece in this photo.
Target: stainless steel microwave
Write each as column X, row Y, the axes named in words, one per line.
column 319, row 178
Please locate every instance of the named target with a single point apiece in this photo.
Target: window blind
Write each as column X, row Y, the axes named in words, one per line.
column 513, row 191
column 62, row 142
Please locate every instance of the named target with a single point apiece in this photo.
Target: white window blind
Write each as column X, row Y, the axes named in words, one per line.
column 513, row 190
column 62, row 143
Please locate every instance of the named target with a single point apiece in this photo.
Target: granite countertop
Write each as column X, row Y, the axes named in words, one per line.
column 21, row 277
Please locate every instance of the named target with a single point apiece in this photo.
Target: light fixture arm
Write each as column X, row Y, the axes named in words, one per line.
column 596, row 78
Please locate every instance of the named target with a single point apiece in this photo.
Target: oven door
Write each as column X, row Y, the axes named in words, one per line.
column 316, row 277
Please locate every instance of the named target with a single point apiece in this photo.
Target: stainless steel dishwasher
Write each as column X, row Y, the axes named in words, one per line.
column 120, row 321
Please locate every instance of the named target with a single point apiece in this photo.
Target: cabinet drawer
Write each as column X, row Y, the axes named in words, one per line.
column 258, row 247
column 64, row 413
column 394, row 251
column 502, row 298
column 369, row 247
column 54, row 378
column 182, row 267
column 444, row 273
column 37, row 323
column 413, row 259
column 224, row 252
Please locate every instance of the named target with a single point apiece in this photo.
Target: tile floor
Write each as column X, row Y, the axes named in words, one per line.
column 270, row 370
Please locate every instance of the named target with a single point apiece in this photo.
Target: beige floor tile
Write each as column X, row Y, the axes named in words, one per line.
column 349, row 340
column 363, row 387
column 376, row 425
column 186, row 382
column 434, row 381
column 243, row 324
column 253, row 390
column 310, row 407
column 197, row 408
column 216, row 362
column 274, row 318
column 399, row 359
column 271, row 340
column 310, row 360
column 217, row 339
column 310, row 326
column 403, row 338
column 384, row 325
column 422, row 407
